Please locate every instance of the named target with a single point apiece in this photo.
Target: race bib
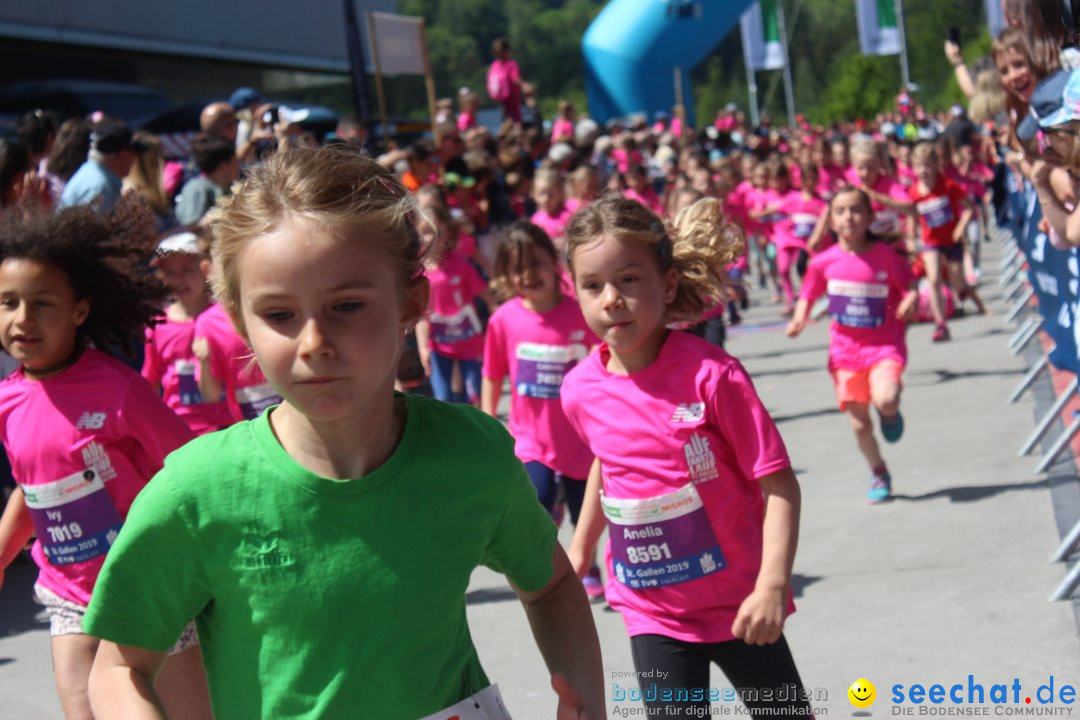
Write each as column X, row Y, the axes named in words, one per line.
column 773, row 217
column 803, row 224
column 187, row 385
column 541, row 368
column 886, row 222
column 935, row 212
column 450, row 329
column 253, row 400
column 484, row 705
column 856, row 304
column 74, row 518
column 661, row 541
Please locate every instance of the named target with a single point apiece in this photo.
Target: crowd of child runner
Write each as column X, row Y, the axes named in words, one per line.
column 591, row 272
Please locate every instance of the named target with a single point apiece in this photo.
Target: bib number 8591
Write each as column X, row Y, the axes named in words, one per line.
column 639, row 554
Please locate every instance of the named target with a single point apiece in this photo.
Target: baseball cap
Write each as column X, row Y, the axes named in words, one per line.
column 181, row 243
column 112, row 136
column 242, row 97
column 1056, row 100
column 560, row 153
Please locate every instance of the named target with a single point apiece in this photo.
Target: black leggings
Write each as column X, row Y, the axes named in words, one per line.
column 764, row 676
column 547, row 481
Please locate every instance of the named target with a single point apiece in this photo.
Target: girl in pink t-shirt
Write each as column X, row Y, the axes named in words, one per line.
column 83, row 432
column 451, row 334
column 888, row 198
column 535, row 338
column 637, row 188
column 584, row 186
column 794, row 214
column 467, row 102
column 871, row 292
column 552, row 212
column 700, row 500
column 171, row 364
column 228, row 368
column 562, row 130
column 755, row 199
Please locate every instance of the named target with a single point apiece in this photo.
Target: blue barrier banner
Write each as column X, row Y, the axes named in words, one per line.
column 1016, row 204
column 1054, row 276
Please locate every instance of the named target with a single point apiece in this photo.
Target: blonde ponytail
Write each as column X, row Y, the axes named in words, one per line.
column 705, row 244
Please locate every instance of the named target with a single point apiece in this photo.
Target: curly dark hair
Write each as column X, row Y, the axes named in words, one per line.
column 106, row 260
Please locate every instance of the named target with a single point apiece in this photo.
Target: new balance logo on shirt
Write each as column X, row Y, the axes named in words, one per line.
column 91, row 421
column 688, row 413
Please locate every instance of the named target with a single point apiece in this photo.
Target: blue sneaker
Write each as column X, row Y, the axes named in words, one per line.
column 880, row 489
column 892, row 429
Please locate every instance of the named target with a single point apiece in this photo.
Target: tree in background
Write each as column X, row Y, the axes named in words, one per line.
column 832, row 80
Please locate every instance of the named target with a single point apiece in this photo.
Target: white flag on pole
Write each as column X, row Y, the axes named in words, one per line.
column 995, row 19
column 878, row 32
column 399, row 44
column 762, row 48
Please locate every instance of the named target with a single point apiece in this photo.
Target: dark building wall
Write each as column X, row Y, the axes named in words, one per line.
column 190, row 50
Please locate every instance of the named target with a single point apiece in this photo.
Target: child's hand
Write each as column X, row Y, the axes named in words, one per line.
column 201, row 347
column 1040, row 175
column 953, row 53
column 795, row 327
column 761, row 617
column 906, row 309
column 579, row 561
column 571, row 705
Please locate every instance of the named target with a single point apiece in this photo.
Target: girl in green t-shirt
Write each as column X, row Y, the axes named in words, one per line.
column 319, row 547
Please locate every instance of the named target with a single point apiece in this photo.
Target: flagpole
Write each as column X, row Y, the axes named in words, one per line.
column 751, row 86
column 789, row 96
column 905, row 76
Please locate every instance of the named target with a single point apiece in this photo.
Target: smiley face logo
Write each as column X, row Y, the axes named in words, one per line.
column 862, row 693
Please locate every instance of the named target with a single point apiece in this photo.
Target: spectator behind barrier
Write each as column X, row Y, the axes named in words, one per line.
column 1055, row 107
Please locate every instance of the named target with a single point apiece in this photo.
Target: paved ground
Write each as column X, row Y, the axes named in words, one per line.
column 949, row 580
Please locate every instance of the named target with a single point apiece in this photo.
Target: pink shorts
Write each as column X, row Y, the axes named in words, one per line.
column 855, row 386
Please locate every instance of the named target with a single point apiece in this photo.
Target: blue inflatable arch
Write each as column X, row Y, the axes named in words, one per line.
column 633, row 47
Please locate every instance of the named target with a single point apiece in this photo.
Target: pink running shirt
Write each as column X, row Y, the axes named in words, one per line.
column 734, row 214
column 648, row 198
column 689, row 425
column 755, row 199
column 562, row 130
column 247, row 393
column 864, row 291
column 456, row 331
column 830, row 179
column 797, row 219
column 554, row 225
column 171, row 364
column 886, row 221
column 82, row 444
column 537, row 350
column 465, row 121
